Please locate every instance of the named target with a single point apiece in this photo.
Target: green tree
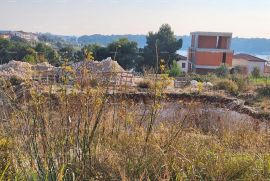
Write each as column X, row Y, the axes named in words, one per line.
column 125, row 52
column 67, row 53
column 14, row 50
column 5, row 48
column 78, row 56
column 166, row 43
column 99, row 52
column 30, row 59
column 49, row 54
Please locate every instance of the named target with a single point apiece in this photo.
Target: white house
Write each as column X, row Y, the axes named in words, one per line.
column 249, row 62
column 24, row 35
column 183, row 63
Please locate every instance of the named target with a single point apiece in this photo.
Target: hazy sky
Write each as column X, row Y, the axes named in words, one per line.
column 245, row 18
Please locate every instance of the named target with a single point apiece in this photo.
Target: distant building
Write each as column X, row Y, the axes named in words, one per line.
column 209, row 50
column 31, row 37
column 249, row 62
column 183, row 63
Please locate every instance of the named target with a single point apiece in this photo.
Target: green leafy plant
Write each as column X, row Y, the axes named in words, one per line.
column 29, row 59
column 222, row 71
column 175, row 70
column 256, row 72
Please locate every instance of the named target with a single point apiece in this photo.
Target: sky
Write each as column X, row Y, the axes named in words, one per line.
column 244, row 18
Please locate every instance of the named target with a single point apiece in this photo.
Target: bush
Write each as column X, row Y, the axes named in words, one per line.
column 241, row 82
column 228, row 86
column 175, row 70
column 30, row 59
column 222, row 71
column 239, row 70
column 146, row 84
column 256, row 72
column 264, row 91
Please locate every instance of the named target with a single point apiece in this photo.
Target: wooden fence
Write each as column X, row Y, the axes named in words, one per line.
column 115, row 80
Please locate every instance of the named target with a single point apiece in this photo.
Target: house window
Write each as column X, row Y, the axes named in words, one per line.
column 183, row 65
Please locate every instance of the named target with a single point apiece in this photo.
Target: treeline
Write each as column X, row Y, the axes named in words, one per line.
column 161, row 45
column 19, row 49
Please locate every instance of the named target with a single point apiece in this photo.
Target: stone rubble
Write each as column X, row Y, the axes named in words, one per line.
column 104, row 66
column 24, row 70
column 17, row 69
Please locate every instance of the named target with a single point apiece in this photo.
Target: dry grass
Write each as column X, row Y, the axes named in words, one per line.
column 89, row 135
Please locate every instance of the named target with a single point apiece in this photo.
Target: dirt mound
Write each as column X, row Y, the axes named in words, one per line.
column 105, row 66
column 24, row 70
column 18, row 69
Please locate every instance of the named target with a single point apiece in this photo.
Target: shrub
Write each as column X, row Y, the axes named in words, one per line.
column 146, row 84
column 175, row 70
column 222, row 71
column 239, row 70
column 264, row 91
column 241, row 82
column 256, row 72
column 228, row 86
column 30, row 59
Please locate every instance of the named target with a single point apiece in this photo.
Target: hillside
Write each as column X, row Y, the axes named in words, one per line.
column 260, row 46
column 248, row 45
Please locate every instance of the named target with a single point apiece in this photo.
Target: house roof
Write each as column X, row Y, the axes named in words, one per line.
column 248, row 57
column 180, row 57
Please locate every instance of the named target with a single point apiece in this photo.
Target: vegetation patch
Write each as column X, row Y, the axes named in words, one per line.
column 227, row 85
column 264, row 91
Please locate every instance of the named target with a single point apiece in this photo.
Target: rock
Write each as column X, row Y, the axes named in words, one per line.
column 24, row 70
column 194, row 83
column 209, row 84
column 18, row 69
